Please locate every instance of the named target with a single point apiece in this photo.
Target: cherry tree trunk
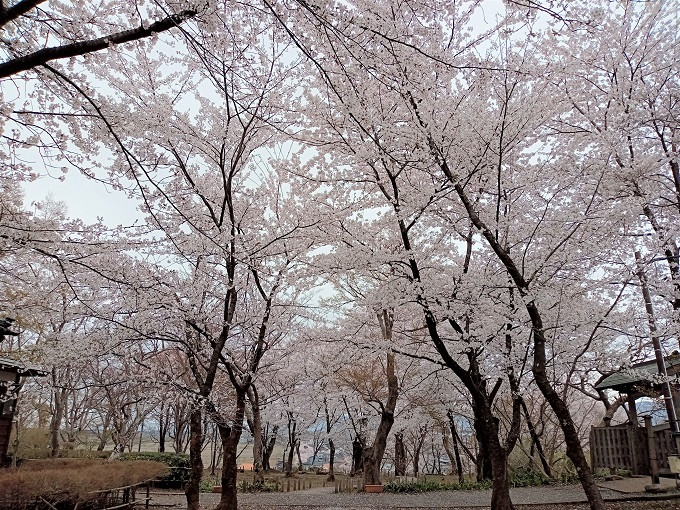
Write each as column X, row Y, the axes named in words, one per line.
column 57, row 417
column 258, row 464
column 536, row 440
column 297, row 453
column 331, row 461
column 452, row 451
column 373, row 455
column 192, row 489
column 498, row 457
column 399, row 455
column 561, row 410
column 539, row 365
column 163, row 419
column 230, row 435
column 417, row 448
column 371, row 467
column 484, row 470
column 268, row 448
column 288, row 468
column 357, row 456
column 415, row 461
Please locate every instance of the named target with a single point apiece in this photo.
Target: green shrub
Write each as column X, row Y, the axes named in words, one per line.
column 177, row 462
column 257, row 487
column 528, row 477
column 600, row 473
column 207, row 484
column 469, row 485
column 412, row 486
column 431, row 485
column 84, row 454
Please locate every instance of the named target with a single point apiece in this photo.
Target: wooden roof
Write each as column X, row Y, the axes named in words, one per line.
column 23, row 368
column 641, row 376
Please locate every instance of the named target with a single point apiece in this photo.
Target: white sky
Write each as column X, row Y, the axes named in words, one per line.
column 84, row 198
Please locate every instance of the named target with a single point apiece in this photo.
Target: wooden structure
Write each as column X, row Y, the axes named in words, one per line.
column 628, row 447
column 118, row 498
column 11, row 373
column 642, row 450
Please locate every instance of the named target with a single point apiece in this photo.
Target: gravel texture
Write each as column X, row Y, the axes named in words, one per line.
column 535, row 498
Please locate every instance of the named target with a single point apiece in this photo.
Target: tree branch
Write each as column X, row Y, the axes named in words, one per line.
column 8, row 14
column 40, row 57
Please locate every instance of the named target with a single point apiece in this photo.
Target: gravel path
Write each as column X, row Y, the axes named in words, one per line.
column 324, row 498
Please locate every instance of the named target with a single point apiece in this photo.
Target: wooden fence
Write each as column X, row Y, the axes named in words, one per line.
column 627, row 447
column 118, row 498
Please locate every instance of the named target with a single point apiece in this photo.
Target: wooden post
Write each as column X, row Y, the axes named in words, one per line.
column 658, row 352
column 632, row 411
column 609, row 446
column 651, row 444
column 632, row 448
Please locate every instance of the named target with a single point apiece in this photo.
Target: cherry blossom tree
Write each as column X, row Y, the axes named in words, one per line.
column 620, row 81
column 476, row 130
column 495, row 179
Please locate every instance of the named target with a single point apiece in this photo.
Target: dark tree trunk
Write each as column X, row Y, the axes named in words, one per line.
column 331, row 461
column 163, row 419
column 559, row 407
column 331, row 444
column 292, row 443
column 484, row 471
column 458, row 443
column 357, row 456
column 297, row 453
column 456, row 450
column 371, row 467
column 59, row 396
column 399, row 455
column 289, row 462
column 473, row 380
column 539, row 365
column 230, row 435
column 498, row 456
column 535, row 440
column 192, row 489
column 373, row 455
column 268, row 448
column 417, row 448
column 256, row 430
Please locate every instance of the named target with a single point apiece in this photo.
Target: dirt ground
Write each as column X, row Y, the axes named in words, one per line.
column 673, row 504
column 318, row 499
